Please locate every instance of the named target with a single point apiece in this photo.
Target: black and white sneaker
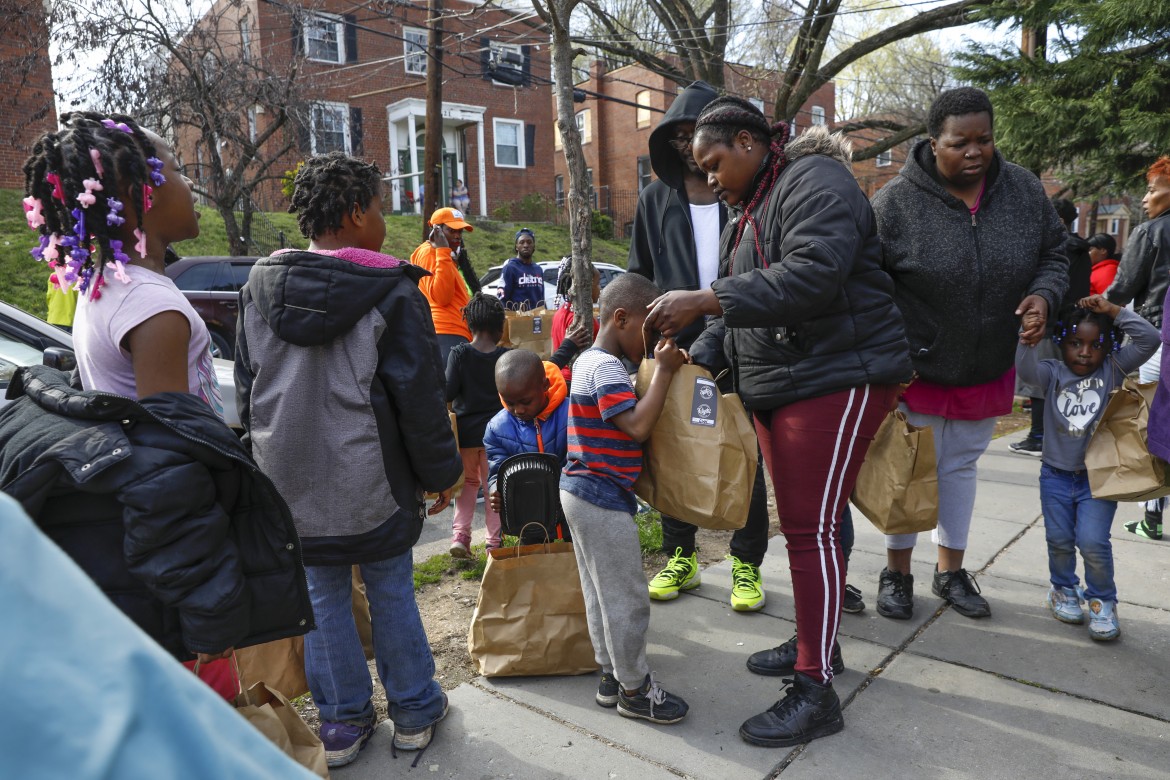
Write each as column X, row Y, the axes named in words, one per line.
column 852, row 602
column 1031, row 445
column 607, row 690
column 652, row 703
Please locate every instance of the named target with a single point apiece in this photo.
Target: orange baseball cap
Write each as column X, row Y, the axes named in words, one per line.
column 452, row 218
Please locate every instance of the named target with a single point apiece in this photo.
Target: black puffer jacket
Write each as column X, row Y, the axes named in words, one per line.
column 160, row 504
column 1144, row 271
column 958, row 279
column 816, row 316
column 662, row 246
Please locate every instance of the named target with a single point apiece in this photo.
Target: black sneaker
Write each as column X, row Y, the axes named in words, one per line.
column 1149, row 527
column 959, row 589
column 781, row 661
column 1032, row 445
column 652, row 703
column 895, row 595
column 808, row 711
column 852, row 603
column 607, row 690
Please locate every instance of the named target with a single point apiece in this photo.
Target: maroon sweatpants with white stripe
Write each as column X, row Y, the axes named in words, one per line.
column 813, row 450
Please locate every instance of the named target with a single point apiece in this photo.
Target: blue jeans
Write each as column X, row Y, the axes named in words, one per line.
column 1074, row 520
column 335, row 664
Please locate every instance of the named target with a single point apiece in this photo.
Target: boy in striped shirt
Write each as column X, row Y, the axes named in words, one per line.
column 607, row 424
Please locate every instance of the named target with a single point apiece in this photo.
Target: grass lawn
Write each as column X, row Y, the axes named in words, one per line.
column 23, row 281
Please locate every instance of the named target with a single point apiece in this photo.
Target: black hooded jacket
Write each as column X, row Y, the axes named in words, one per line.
column 159, row 503
column 339, row 386
column 662, row 247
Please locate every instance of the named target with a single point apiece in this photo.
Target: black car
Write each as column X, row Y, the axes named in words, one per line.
column 212, row 285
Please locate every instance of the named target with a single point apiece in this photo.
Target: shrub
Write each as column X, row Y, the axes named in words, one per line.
column 602, row 225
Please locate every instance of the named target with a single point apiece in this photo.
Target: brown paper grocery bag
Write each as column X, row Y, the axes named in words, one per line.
column 530, row 616
column 897, row 487
column 281, row 663
column 1119, row 464
column 699, row 463
column 271, row 714
column 529, row 329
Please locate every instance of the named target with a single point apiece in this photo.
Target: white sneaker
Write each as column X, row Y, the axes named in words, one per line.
column 1065, row 605
column 460, row 550
column 1103, row 625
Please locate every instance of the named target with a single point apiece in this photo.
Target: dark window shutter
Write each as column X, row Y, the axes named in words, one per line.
column 298, row 37
column 530, row 146
column 485, row 57
column 357, row 149
column 526, row 66
column 351, row 50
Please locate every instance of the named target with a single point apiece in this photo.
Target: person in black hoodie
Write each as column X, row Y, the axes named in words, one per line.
column 1079, row 270
column 340, row 388
column 675, row 244
column 804, row 317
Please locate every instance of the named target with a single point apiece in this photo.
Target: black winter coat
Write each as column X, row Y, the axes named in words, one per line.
column 160, row 504
column 816, row 315
column 1144, row 271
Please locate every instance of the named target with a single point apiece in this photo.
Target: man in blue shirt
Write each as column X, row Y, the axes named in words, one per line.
column 523, row 278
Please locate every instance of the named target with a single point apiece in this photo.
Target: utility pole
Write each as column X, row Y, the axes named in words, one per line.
column 432, row 150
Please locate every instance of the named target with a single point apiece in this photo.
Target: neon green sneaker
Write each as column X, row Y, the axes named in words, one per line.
column 680, row 573
column 747, row 586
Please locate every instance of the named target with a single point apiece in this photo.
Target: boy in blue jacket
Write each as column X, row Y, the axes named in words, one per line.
column 534, row 419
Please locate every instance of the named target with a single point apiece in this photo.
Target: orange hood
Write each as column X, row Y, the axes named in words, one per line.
column 558, row 389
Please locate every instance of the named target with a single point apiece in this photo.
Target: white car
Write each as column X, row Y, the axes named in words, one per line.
column 26, row 340
column 493, row 284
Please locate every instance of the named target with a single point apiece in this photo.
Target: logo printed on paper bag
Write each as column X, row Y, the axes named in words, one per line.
column 536, row 326
column 704, row 403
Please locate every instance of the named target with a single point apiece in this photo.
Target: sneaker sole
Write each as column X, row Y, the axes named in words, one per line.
column 821, row 731
column 748, row 606
column 1104, row 637
column 673, row 594
column 1028, row 453
column 459, row 553
column 336, row 758
column 895, row 615
column 1071, row 621
column 606, row 701
column 1136, row 529
column 853, row 610
column 638, row 716
column 429, row 735
column 768, row 671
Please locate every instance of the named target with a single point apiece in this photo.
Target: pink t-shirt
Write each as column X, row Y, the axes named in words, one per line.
column 100, row 327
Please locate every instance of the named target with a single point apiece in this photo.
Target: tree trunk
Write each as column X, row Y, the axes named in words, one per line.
column 432, row 149
column 236, row 244
column 579, row 208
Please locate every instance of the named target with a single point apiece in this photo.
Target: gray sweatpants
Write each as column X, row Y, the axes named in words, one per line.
column 617, row 603
column 957, row 446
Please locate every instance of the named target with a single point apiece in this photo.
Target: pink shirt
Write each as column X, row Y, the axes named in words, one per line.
column 953, row 402
column 101, row 326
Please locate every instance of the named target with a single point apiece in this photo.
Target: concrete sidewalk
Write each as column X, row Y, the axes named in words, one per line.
column 1018, row 695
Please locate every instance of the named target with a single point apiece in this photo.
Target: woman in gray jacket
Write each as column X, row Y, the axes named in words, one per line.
column 974, row 247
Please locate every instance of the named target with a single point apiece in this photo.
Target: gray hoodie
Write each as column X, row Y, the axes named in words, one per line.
column 958, row 277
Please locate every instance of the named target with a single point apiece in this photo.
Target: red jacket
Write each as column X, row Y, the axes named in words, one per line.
column 1102, row 276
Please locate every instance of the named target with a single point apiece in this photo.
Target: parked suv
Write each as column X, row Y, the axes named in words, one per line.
column 212, row 285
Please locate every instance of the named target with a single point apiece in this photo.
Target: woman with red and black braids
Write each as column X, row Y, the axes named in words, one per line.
column 805, row 318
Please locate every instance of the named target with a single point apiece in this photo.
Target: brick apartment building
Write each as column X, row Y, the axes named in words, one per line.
column 27, row 106
column 615, row 135
column 364, row 80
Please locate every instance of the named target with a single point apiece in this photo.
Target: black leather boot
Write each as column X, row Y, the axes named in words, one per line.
column 781, row 661
column 808, row 711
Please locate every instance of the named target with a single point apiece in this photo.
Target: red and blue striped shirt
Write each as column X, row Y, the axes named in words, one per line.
column 603, row 462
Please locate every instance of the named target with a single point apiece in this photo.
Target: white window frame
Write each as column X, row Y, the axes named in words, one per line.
column 414, row 55
column 559, row 190
column 818, row 115
column 494, row 50
column 1114, row 226
column 322, row 19
column 497, row 123
column 322, row 105
column 582, row 118
column 642, row 117
column 757, row 103
column 884, row 159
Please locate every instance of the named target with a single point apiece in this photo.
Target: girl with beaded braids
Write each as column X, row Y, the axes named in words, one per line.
column 804, row 317
column 339, row 385
column 157, row 523
column 1076, row 388
column 108, row 199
